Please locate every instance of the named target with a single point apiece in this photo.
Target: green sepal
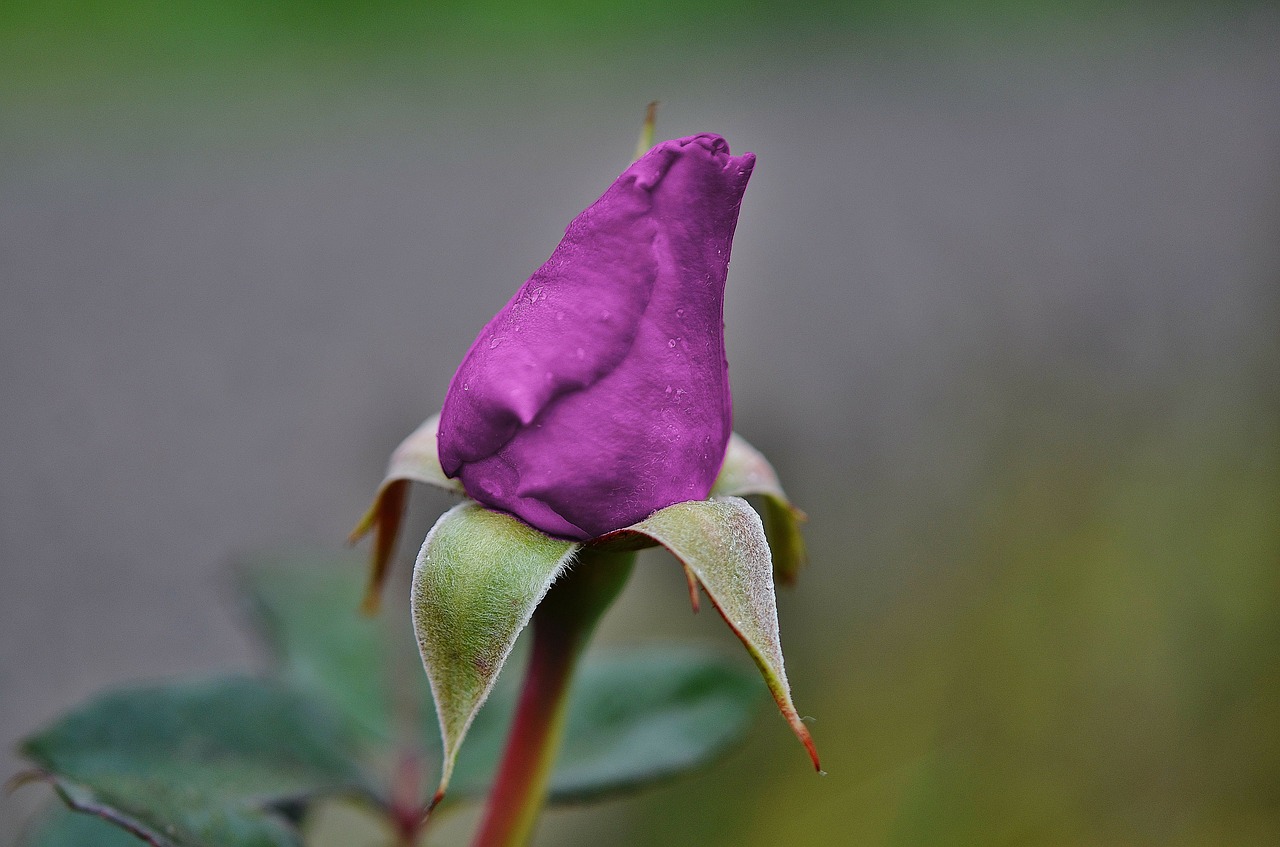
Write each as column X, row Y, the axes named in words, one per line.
column 415, row 460
column 693, row 702
column 747, row 473
column 477, row 581
column 721, row 542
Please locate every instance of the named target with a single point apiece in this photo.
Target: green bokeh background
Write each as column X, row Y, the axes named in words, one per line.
column 1021, row 369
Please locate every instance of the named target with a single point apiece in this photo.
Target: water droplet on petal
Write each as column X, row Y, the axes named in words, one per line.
column 671, row 343
column 494, row 342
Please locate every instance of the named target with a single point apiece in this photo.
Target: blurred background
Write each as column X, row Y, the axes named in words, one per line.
column 1003, row 311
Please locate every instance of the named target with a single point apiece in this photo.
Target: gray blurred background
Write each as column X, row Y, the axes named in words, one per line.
column 1002, row 310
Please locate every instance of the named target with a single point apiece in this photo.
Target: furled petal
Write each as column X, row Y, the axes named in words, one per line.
column 600, row 392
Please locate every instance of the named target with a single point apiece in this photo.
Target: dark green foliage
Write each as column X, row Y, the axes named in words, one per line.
column 236, row 761
column 197, row 763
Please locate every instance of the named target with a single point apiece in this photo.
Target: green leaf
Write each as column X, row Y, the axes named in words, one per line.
column 647, row 714
column 636, row 716
column 62, row 827
column 306, row 611
column 199, row 764
column 721, row 542
column 747, row 473
column 415, row 460
column 478, row 578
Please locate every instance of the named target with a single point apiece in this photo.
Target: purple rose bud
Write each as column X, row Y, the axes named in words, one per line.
column 600, row 393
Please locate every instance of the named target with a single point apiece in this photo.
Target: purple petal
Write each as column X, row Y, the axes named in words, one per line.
column 600, row 393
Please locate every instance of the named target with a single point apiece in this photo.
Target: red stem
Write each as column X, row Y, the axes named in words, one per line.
column 562, row 626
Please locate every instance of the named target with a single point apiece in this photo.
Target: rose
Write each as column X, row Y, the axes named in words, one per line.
column 595, row 407
column 600, row 393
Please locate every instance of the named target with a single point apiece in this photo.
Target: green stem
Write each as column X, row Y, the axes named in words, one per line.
column 562, row 626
